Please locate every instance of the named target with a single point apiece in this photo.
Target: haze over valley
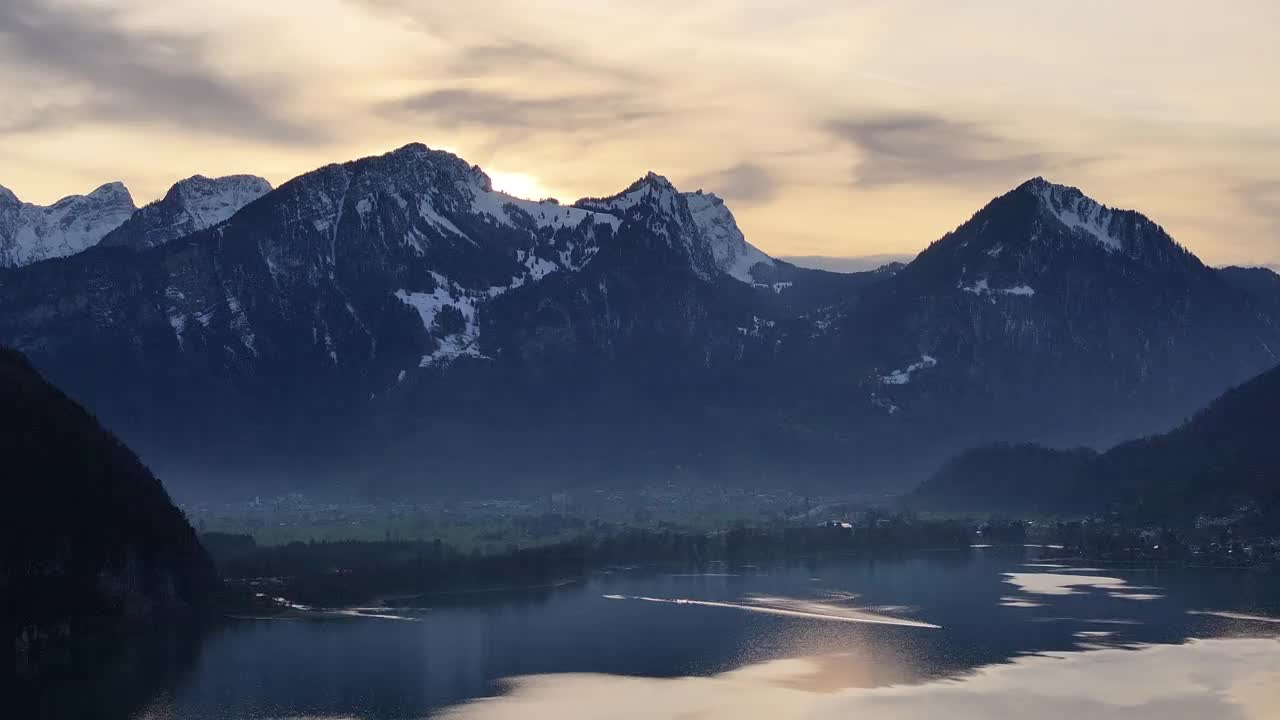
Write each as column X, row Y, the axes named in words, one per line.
column 403, row 360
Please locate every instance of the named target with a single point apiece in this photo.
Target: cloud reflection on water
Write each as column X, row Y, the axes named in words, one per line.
column 1042, row 583
column 1236, row 679
column 791, row 607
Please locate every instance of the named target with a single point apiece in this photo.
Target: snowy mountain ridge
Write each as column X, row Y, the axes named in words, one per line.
column 193, row 204
column 698, row 222
column 1078, row 212
column 30, row 233
column 733, row 254
column 209, row 201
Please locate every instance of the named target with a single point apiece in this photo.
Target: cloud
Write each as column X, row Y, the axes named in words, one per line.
column 506, row 58
column 744, row 184
column 493, row 49
column 462, row 107
column 1262, row 198
column 106, row 72
column 920, row 147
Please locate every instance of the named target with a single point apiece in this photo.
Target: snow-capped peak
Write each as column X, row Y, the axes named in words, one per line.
column 1078, row 212
column 112, row 191
column 653, row 191
column 734, row 255
column 653, row 178
column 699, row 221
column 193, row 204
column 29, row 232
column 209, row 201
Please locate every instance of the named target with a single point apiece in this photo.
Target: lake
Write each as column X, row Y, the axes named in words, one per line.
column 983, row 633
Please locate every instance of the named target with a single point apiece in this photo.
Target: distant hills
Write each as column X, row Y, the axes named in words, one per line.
column 89, row 539
column 1224, row 458
column 393, row 323
column 860, row 263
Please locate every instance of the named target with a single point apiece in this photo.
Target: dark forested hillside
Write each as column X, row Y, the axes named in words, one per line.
column 1003, row 477
column 1223, row 458
column 89, row 539
column 1260, row 284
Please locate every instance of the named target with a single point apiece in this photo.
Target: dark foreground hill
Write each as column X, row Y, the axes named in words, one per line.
column 89, row 539
column 1223, row 459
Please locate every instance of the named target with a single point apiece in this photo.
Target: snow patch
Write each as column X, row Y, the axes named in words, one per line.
column 903, row 376
column 428, row 212
column 538, row 268
column 758, row 327
column 982, row 287
column 240, row 324
column 1079, row 213
column 777, row 287
column 447, row 293
column 544, row 213
column 718, row 228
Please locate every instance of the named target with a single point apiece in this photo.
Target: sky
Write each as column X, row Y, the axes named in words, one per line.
column 839, row 128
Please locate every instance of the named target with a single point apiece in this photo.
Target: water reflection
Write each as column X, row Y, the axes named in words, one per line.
column 1038, row 583
column 809, row 628
column 807, row 609
column 1248, row 617
column 105, row 678
column 1225, row 678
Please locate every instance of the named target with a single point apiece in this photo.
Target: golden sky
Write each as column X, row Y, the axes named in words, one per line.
column 838, row 128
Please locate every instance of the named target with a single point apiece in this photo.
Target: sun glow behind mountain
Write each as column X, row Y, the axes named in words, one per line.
column 519, row 185
column 873, row 125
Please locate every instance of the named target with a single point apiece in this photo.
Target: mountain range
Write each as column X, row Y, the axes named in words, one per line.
column 30, row 233
column 394, row 323
column 190, row 205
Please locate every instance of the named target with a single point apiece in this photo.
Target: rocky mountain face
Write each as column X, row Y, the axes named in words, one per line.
column 90, row 539
column 1049, row 317
column 190, row 205
column 395, row 321
column 30, row 233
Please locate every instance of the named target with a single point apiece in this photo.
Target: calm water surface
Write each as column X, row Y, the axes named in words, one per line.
column 987, row 633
